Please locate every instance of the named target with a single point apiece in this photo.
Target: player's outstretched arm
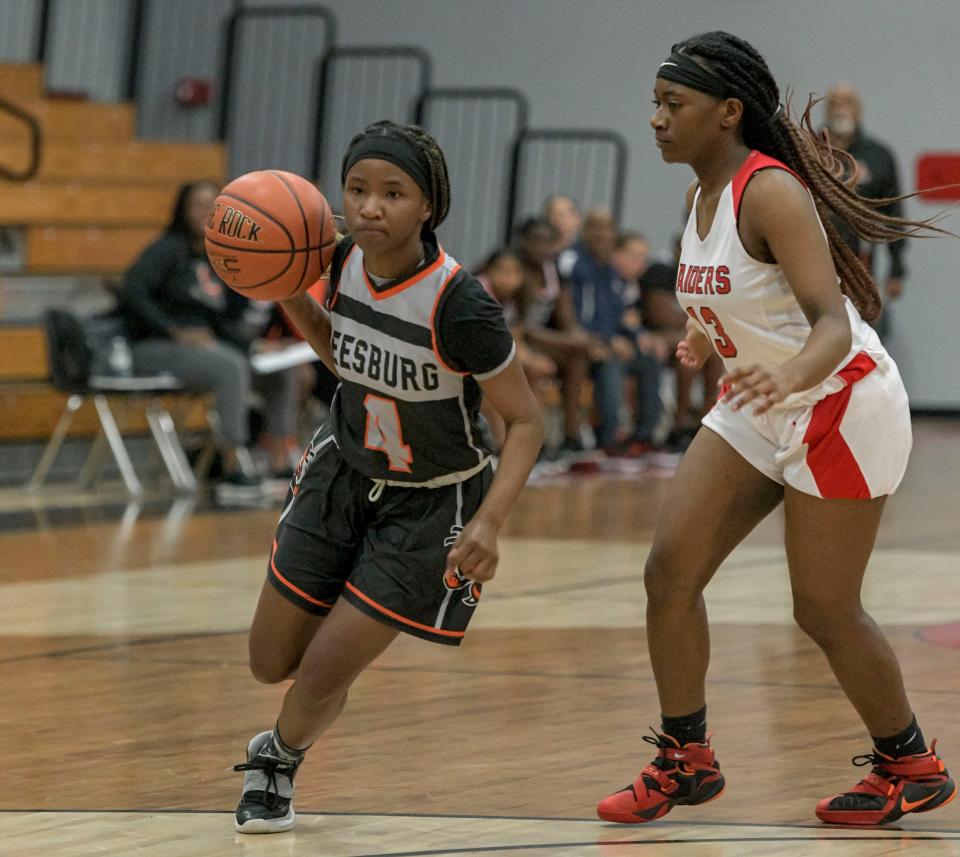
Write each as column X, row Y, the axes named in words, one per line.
column 313, row 322
column 475, row 552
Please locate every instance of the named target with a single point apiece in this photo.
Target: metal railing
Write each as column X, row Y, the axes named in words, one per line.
column 589, row 166
column 36, row 142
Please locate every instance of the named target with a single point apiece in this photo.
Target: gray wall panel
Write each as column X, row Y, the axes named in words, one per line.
column 88, row 47
column 271, row 118
column 476, row 135
column 183, row 38
column 18, row 30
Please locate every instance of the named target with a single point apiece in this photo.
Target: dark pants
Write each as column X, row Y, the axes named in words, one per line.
column 608, row 378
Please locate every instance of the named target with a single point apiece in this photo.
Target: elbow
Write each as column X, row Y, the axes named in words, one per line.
column 844, row 334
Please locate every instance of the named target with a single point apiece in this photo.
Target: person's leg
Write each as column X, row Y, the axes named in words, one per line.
column 280, row 415
column 607, row 376
column 829, row 543
column 316, row 545
column 572, row 369
column 647, row 370
column 220, row 369
column 279, row 635
column 346, row 643
column 715, row 500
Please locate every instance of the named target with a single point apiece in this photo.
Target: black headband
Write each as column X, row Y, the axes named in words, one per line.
column 682, row 69
column 398, row 151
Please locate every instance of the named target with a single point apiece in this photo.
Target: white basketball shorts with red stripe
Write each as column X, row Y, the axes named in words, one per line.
column 852, row 444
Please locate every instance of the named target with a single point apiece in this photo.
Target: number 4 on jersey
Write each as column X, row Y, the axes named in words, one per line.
column 383, row 432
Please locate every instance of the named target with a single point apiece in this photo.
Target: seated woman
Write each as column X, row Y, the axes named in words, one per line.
column 183, row 320
column 547, row 322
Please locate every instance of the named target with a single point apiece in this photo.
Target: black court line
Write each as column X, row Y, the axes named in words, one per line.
column 492, row 849
column 906, row 832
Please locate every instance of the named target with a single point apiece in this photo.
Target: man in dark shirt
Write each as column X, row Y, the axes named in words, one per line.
column 876, row 179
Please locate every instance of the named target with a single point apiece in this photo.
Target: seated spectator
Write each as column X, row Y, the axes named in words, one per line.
column 548, row 324
column 599, row 290
column 661, row 313
column 563, row 213
column 502, row 276
column 183, row 320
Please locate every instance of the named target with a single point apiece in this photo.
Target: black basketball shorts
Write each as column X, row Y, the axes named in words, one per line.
column 387, row 557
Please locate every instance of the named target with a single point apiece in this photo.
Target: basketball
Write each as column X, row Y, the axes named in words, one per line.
column 270, row 235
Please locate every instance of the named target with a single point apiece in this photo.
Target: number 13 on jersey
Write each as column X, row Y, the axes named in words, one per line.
column 383, row 432
column 723, row 343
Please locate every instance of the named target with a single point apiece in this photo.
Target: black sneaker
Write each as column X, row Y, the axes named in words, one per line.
column 266, row 805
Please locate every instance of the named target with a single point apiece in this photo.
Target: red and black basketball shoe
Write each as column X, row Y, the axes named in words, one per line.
column 684, row 775
column 893, row 788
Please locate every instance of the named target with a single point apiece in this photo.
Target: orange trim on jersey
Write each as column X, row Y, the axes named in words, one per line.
column 755, row 162
column 433, row 326
column 405, row 284
column 380, row 608
column 336, row 285
column 290, row 586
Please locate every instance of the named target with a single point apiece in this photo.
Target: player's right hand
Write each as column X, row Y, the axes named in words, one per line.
column 475, row 552
column 694, row 349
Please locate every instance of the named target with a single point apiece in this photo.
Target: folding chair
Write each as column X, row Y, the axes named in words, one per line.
column 74, row 359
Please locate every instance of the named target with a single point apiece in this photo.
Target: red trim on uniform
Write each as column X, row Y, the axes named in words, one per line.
column 386, row 612
column 834, row 468
column 290, row 586
column 405, row 284
column 433, row 326
column 332, row 297
column 755, row 162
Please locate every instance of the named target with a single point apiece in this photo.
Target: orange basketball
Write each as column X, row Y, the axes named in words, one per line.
column 270, row 235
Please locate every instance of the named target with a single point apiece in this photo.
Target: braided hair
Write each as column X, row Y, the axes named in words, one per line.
column 429, row 151
column 829, row 173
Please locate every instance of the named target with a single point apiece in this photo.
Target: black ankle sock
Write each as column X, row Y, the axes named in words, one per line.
column 909, row 742
column 691, row 728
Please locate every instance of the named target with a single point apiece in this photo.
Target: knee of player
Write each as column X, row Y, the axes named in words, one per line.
column 268, row 669
column 668, row 581
column 823, row 618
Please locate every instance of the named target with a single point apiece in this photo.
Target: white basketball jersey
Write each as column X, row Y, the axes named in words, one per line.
column 746, row 307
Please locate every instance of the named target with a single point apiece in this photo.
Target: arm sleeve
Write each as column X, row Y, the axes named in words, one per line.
column 472, row 335
column 144, row 282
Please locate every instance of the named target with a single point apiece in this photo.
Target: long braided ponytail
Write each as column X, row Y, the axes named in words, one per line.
column 829, row 173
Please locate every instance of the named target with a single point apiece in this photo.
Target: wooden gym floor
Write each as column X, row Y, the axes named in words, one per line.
column 126, row 696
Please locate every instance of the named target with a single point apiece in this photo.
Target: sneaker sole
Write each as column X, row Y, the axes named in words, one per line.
column 267, row 825
column 633, row 818
column 850, row 817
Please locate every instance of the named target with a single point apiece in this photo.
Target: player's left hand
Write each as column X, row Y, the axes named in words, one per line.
column 894, row 288
column 763, row 386
column 475, row 552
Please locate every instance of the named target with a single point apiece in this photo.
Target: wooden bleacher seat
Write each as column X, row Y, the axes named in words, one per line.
column 134, row 161
column 38, row 204
column 85, row 249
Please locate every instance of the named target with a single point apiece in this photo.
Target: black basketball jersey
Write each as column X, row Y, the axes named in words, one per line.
column 408, row 354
